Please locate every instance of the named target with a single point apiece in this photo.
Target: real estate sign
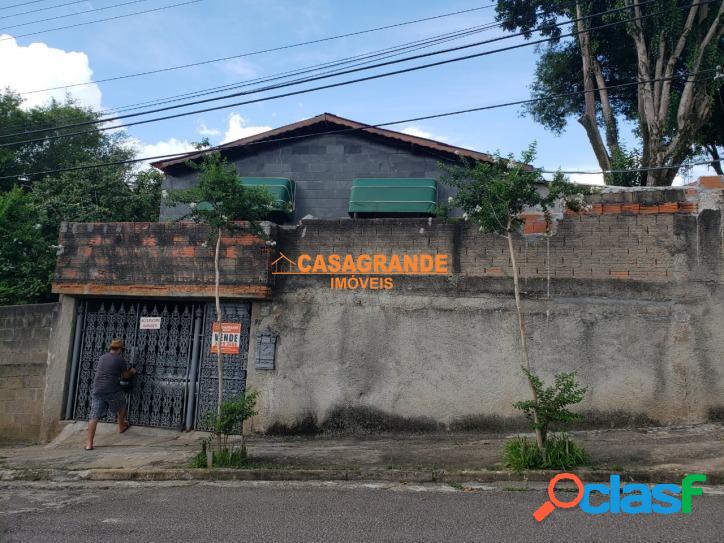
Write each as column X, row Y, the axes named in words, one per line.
column 230, row 337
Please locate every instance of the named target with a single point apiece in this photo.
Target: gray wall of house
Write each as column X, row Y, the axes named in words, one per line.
column 24, row 334
column 323, row 168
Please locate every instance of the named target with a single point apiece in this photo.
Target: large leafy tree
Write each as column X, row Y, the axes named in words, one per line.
column 677, row 45
column 121, row 192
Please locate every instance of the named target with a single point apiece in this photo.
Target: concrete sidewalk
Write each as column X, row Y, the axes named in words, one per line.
column 697, row 448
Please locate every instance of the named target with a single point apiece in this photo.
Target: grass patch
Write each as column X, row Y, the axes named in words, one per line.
column 562, row 453
column 456, row 486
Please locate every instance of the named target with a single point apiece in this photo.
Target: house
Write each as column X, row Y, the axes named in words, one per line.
column 325, row 336
column 330, row 167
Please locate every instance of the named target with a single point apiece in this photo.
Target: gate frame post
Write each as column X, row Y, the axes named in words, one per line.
column 194, row 370
column 75, row 360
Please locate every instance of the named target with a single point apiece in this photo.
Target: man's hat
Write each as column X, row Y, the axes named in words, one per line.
column 117, row 344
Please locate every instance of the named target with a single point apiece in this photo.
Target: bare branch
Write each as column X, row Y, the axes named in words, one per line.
column 687, row 96
column 675, row 54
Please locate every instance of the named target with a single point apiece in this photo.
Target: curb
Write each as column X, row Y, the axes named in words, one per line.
column 391, row 475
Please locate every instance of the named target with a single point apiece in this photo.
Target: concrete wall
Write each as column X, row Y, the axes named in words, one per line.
column 636, row 308
column 323, row 169
column 24, row 334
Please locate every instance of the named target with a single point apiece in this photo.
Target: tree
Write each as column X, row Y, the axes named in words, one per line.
column 679, row 48
column 219, row 200
column 493, row 195
column 120, row 192
column 52, row 154
column 26, row 258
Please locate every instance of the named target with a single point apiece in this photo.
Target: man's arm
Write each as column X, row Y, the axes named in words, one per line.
column 128, row 372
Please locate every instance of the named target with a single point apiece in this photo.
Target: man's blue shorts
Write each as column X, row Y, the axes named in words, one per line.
column 100, row 403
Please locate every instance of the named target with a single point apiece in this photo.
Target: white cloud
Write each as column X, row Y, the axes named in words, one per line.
column 587, row 179
column 164, row 147
column 206, row 131
column 38, row 66
column 413, row 130
column 239, row 128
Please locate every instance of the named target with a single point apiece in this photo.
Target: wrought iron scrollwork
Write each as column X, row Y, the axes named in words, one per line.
column 234, row 365
column 161, row 357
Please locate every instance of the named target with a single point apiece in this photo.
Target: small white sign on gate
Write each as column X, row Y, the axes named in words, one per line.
column 150, row 323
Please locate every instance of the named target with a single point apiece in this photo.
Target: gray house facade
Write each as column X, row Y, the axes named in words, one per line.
column 323, row 156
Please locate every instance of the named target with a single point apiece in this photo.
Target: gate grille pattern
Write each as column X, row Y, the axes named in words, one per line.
column 161, row 358
column 234, row 365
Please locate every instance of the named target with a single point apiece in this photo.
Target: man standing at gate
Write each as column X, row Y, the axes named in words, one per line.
column 107, row 392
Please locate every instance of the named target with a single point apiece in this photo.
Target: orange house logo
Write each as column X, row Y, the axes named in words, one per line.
column 362, row 271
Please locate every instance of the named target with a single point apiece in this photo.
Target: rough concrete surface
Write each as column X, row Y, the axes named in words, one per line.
column 687, row 448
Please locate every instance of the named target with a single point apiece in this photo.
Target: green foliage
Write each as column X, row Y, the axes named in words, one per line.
column 32, row 213
column 494, row 194
column 26, row 257
column 562, row 453
column 551, row 404
column 233, row 413
column 226, row 422
column 90, row 147
column 559, row 67
column 520, row 454
column 225, row 199
column 622, row 159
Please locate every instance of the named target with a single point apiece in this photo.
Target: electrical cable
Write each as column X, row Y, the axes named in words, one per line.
column 380, row 54
column 258, row 52
column 69, row 14
column 312, row 89
column 102, row 20
column 192, row 154
column 43, row 9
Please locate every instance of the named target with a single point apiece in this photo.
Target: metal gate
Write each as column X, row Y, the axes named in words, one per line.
column 234, row 365
column 169, row 378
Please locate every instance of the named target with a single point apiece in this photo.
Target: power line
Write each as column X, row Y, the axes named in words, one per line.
column 260, row 51
column 192, row 155
column 23, row 4
column 43, row 9
column 633, row 170
column 102, row 20
column 69, row 14
column 380, row 54
column 388, row 52
column 304, row 91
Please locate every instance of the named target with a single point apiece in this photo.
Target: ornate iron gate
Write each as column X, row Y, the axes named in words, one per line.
column 177, row 382
column 234, row 365
column 161, row 357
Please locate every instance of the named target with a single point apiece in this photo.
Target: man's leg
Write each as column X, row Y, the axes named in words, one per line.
column 92, row 424
column 121, row 418
column 118, row 402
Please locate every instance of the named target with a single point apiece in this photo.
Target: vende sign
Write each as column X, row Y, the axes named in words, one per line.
column 230, row 337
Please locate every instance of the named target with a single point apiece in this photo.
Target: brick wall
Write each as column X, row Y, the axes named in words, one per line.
column 158, row 259
column 24, row 333
column 633, row 235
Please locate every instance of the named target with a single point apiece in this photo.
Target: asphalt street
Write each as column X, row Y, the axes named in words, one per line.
column 309, row 512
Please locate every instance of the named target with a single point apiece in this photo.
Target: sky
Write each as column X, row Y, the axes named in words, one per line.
column 209, row 29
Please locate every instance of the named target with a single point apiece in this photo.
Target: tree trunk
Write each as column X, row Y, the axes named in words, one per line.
column 588, row 117
column 716, row 164
column 539, row 436
column 219, row 320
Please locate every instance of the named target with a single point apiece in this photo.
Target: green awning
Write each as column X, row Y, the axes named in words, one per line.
column 393, row 195
column 281, row 188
